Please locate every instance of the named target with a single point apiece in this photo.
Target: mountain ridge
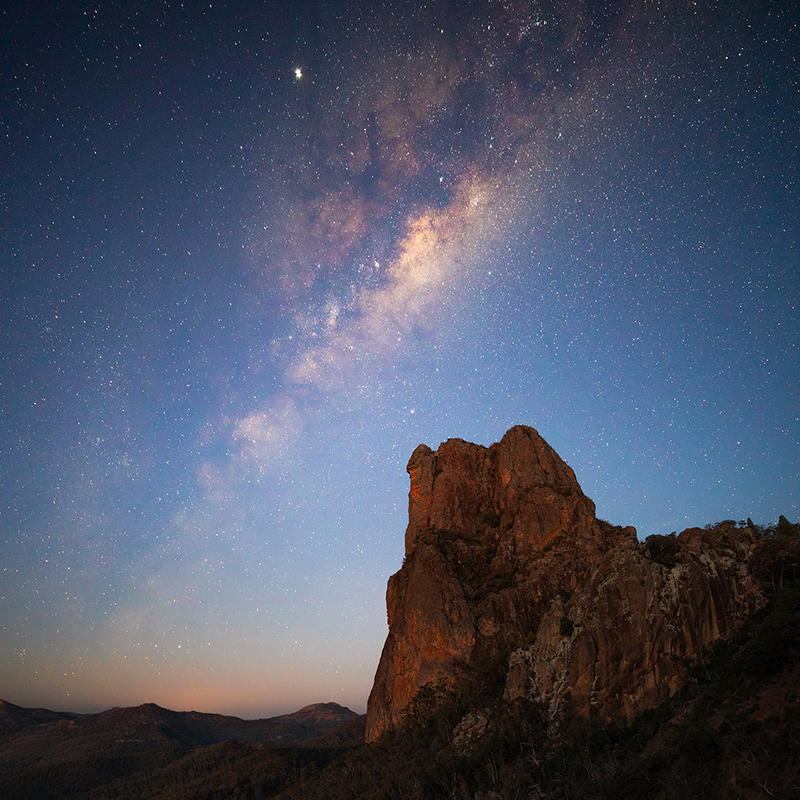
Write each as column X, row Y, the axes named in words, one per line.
column 534, row 651
column 38, row 736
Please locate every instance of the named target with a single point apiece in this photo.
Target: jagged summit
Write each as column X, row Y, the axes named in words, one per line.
column 519, row 481
column 505, row 561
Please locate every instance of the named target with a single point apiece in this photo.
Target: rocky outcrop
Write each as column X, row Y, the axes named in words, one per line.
column 468, row 490
column 504, row 555
column 494, row 534
column 624, row 642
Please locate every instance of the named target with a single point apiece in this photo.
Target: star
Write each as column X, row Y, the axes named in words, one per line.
column 298, row 73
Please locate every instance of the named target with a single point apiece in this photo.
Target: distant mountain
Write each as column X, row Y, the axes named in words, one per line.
column 322, row 715
column 15, row 718
column 31, row 737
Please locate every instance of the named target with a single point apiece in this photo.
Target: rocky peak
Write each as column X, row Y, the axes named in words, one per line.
column 521, row 482
column 506, row 561
column 626, row 639
column 479, row 519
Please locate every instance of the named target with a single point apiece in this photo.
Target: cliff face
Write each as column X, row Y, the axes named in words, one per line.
column 504, row 555
column 624, row 641
column 469, row 490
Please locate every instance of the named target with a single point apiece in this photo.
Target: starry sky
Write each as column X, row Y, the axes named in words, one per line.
column 254, row 253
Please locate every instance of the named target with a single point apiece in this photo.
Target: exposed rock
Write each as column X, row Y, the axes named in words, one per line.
column 493, row 535
column 468, row 489
column 624, row 641
column 471, row 731
column 504, row 555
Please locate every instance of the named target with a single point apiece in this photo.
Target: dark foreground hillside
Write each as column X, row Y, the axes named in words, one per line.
column 734, row 732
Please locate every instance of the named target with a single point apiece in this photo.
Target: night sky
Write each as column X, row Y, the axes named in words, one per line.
column 253, row 254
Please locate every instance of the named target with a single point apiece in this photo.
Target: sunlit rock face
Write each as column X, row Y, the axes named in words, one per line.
column 469, row 490
column 479, row 571
column 504, row 555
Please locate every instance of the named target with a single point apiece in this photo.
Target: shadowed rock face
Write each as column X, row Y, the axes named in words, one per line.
column 498, row 538
column 624, row 641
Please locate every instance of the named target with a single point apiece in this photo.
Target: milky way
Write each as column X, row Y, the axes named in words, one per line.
column 254, row 255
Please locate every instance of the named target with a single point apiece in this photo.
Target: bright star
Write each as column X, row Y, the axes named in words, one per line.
column 298, row 73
